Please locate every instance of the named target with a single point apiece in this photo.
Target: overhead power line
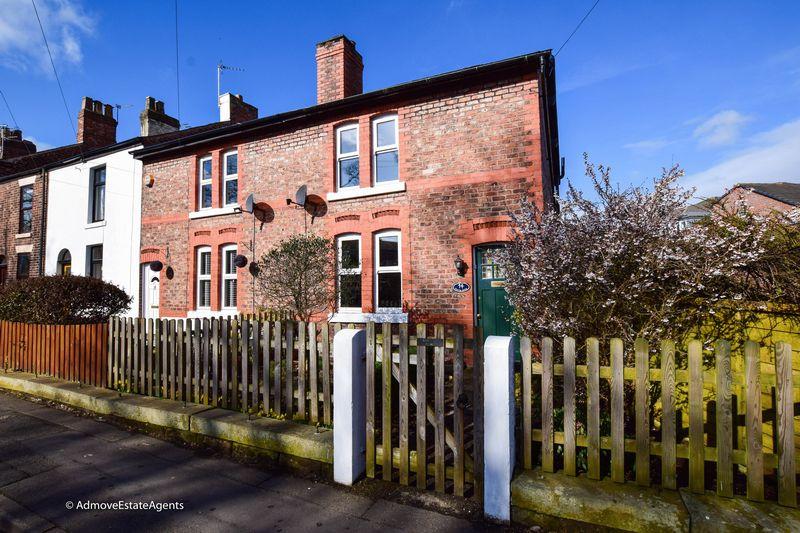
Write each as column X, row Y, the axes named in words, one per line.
column 55, row 72
column 577, row 28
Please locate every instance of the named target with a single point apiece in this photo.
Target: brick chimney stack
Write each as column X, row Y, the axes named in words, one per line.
column 153, row 120
column 340, row 69
column 12, row 144
column 96, row 124
column 233, row 108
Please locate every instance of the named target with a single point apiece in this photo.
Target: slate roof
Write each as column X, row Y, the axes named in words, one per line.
column 700, row 209
column 409, row 89
column 55, row 157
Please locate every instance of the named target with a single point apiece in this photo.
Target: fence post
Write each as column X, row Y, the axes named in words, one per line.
column 349, row 414
column 498, row 414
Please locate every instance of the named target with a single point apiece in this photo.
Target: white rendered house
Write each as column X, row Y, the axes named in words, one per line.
column 94, row 213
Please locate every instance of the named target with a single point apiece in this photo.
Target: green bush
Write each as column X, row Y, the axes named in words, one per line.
column 61, row 300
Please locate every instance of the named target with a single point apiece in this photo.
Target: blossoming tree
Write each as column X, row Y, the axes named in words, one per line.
column 622, row 266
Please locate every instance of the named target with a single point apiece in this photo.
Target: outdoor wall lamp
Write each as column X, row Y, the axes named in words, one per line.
column 461, row 266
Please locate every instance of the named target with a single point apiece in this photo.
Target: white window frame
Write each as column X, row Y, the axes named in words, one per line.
column 385, row 269
column 203, row 277
column 229, row 177
column 201, row 182
column 347, row 155
column 225, row 276
column 347, row 271
column 384, row 149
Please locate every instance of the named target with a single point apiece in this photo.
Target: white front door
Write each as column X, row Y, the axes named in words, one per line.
column 151, row 285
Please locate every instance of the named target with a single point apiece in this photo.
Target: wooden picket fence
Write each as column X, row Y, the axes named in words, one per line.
column 69, row 352
column 279, row 368
column 422, row 405
column 714, row 453
column 268, row 315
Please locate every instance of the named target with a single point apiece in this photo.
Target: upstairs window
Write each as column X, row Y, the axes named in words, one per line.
column 97, row 202
column 388, row 273
column 349, row 273
column 231, row 178
column 384, row 149
column 347, row 156
column 64, row 263
column 204, row 278
column 23, row 266
column 228, row 277
column 204, row 183
column 95, row 261
column 25, row 208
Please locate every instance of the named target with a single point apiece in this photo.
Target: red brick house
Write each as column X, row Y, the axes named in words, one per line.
column 761, row 198
column 23, row 203
column 410, row 178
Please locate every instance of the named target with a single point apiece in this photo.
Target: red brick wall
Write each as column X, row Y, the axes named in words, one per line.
column 339, row 70
column 758, row 203
column 9, row 225
column 467, row 158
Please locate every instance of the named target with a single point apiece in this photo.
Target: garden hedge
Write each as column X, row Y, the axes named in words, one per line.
column 61, row 300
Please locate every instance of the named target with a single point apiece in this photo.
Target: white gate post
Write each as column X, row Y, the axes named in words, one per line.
column 498, row 414
column 349, row 415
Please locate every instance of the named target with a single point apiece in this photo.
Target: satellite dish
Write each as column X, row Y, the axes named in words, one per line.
column 239, row 261
column 156, row 266
column 249, row 203
column 300, row 196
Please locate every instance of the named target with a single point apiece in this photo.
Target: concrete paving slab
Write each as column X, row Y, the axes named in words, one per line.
column 322, row 494
column 235, row 471
column 16, row 518
column 396, row 516
column 217, row 493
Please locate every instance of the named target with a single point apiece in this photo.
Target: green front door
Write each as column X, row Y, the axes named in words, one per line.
column 493, row 309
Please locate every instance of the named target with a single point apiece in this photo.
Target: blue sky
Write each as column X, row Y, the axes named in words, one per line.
column 712, row 85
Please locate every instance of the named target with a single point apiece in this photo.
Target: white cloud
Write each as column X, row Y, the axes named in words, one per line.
column 40, row 145
column 647, row 145
column 592, row 72
column 65, row 23
column 721, row 129
column 772, row 156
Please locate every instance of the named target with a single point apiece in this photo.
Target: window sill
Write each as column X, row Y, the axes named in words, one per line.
column 215, row 212
column 98, row 224
column 360, row 318
column 361, row 192
column 23, row 235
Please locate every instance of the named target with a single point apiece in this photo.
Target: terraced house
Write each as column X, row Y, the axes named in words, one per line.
column 76, row 209
column 415, row 182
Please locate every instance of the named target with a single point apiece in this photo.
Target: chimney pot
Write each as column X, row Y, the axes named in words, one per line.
column 13, row 145
column 96, row 124
column 340, row 69
column 232, row 107
column 153, row 120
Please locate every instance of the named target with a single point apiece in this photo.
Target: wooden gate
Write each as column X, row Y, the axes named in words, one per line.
column 424, row 407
